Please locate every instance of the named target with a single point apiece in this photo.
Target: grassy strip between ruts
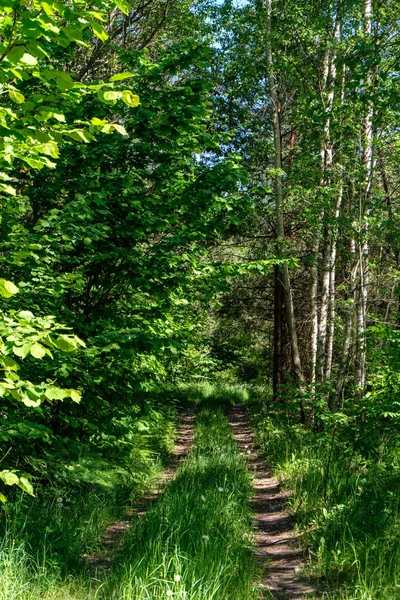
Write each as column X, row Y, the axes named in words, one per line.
column 194, row 542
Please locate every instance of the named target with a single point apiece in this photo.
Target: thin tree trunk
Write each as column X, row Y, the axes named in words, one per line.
column 278, row 328
column 278, row 192
column 363, row 216
column 330, row 73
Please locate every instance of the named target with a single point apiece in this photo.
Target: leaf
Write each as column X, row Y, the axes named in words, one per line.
column 8, row 477
column 81, row 136
column 99, row 31
column 25, row 485
column 123, row 6
column 28, row 59
column 120, row 128
column 3, row 499
column 111, row 95
column 29, row 402
column 7, row 288
column 65, row 344
column 22, row 351
column 49, row 148
column 55, row 393
column 16, row 54
column 130, row 99
column 75, row 395
column 47, row 8
column 37, row 350
column 64, row 81
column 121, row 76
column 16, row 96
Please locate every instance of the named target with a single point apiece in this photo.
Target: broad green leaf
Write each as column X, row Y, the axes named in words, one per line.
column 111, row 95
column 123, row 5
column 121, row 76
column 25, row 485
column 29, row 402
column 22, row 351
column 130, row 99
column 3, row 499
column 55, row 393
column 48, row 9
column 37, row 350
column 8, row 189
column 8, row 477
column 64, row 81
column 75, row 395
column 120, row 128
column 15, row 54
column 99, row 31
column 7, row 288
column 16, row 96
column 65, row 344
column 28, row 59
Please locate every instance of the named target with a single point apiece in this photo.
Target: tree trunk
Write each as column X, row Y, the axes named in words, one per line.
column 278, row 192
column 364, row 211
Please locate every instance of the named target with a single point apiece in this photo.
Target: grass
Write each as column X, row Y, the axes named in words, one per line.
column 193, row 544
column 346, row 504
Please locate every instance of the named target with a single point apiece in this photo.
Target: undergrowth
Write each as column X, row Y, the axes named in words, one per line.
column 194, row 542
column 346, row 502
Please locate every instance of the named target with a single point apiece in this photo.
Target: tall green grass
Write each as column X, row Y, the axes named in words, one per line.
column 347, row 505
column 194, row 543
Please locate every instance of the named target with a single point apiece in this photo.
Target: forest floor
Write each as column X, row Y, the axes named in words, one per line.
column 275, row 537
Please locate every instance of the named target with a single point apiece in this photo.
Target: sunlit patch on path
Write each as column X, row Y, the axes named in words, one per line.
column 275, row 538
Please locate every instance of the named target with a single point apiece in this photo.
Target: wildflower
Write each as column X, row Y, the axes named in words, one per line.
column 203, row 498
column 169, row 593
column 220, row 489
column 59, row 500
column 177, row 578
column 205, row 538
column 248, row 451
column 246, row 446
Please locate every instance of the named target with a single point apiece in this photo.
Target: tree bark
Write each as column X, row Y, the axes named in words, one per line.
column 278, row 193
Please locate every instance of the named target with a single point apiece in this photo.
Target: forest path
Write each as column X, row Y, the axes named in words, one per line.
column 275, row 538
column 112, row 541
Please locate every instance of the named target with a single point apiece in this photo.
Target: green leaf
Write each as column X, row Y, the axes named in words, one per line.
column 65, row 344
column 22, row 351
column 64, row 81
column 75, row 395
column 123, row 6
column 130, row 99
column 8, row 477
column 7, row 288
column 120, row 128
column 37, row 350
column 15, row 54
column 25, row 485
column 111, row 95
column 99, row 30
column 55, row 393
column 16, row 96
column 121, row 76
column 3, row 499
column 28, row 59
column 47, row 8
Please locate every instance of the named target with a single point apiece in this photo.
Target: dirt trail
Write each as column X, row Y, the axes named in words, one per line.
column 112, row 542
column 275, row 538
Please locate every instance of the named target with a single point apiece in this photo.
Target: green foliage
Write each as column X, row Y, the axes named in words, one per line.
column 345, row 485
